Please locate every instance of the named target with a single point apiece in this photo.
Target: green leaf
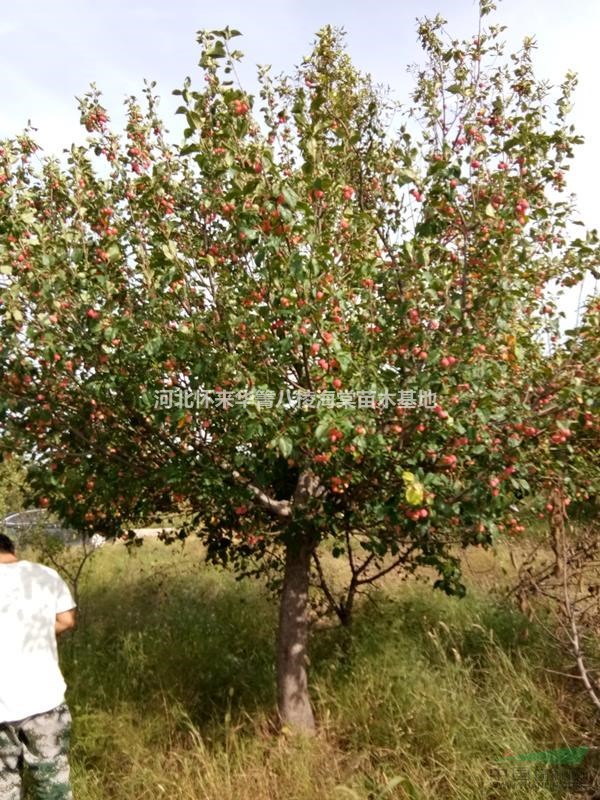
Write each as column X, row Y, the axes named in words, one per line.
column 250, row 233
column 345, row 360
column 170, row 250
column 406, row 176
column 290, row 196
column 114, row 251
column 189, row 149
column 284, row 445
column 194, row 119
column 322, row 429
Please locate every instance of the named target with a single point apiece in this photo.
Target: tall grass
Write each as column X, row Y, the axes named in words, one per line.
column 171, row 684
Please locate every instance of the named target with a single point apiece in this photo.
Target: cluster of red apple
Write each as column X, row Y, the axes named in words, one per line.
column 138, row 150
column 240, row 108
column 561, row 436
column 335, row 434
column 103, row 226
column 513, row 526
column 448, row 361
column 96, row 120
column 440, row 412
column 167, row 203
column 449, row 460
column 526, row 430
column 521, row 207
column 339, row 485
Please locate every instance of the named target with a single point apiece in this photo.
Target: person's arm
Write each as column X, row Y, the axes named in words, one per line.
column 65, row 621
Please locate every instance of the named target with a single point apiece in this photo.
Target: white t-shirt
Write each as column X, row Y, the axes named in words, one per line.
column 31, row 595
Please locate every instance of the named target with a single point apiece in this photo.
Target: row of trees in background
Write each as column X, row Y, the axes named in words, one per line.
column 13, row 486
column 311, row 241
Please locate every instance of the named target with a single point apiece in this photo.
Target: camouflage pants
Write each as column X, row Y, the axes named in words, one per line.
column 41, row 743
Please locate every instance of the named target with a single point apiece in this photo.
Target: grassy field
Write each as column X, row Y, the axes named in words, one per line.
column 171, row 676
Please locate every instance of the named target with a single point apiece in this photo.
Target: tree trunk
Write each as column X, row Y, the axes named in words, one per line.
column 293, row 700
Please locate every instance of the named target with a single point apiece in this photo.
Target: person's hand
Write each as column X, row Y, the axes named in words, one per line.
column 65, row 621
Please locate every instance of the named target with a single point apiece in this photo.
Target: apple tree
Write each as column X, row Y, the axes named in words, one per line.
column 314, row 322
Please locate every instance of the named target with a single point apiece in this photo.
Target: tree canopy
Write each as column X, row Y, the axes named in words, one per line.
column 318, row 318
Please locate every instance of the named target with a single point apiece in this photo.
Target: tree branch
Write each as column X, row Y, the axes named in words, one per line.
column 281, row 508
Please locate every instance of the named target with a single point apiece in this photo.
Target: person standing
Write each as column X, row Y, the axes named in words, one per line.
column 35, row 722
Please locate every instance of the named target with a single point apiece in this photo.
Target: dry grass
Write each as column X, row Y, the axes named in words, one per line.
column 171, row 678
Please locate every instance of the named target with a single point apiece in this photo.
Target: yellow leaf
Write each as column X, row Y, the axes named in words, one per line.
column 414, row 494
column 408, row 477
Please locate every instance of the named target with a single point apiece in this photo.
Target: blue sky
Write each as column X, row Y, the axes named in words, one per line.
column 50, row 52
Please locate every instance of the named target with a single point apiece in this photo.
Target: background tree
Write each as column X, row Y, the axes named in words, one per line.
column 564, row 574
column 12, row 485
column 312, row 241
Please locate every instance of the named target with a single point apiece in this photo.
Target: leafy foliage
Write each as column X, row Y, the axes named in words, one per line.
column 300, row 241
column 12, row 486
